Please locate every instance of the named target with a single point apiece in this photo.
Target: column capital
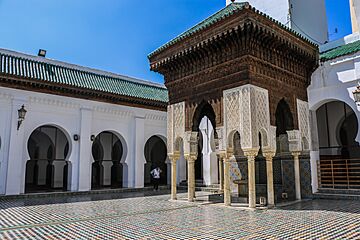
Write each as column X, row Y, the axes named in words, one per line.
column 190, row 157
column 269, row 155
column 174, row 157
column 296, row 153
column 251, row 153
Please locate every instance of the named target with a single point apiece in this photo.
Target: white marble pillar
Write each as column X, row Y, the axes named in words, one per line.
column 173, row 160
column 227, row 191
column 191, row 178
column 270, row 178
column 297, row 175
column 251, row 177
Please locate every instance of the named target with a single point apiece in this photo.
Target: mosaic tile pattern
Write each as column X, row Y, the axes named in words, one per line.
column 305, row 178
column 288, row 175
column 155, row 217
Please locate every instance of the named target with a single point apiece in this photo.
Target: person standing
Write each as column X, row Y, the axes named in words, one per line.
column 155, row 173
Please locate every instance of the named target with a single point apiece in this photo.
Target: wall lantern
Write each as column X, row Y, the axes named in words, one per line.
column 356, row 94
column 21, row 116
column 76, row 137
column 92, row 138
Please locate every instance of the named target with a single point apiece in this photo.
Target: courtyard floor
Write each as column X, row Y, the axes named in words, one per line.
column 139, row 216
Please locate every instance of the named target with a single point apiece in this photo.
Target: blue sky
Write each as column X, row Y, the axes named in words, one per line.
column 114, row 35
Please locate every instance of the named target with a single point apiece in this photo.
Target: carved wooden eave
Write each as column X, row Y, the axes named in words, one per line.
column 238, row 35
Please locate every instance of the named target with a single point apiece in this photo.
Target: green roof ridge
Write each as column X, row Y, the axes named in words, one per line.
column 224, row 12
column 340, row 51
column 47, row 70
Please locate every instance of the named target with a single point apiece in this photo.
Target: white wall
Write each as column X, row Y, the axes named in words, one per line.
column 72, row 116
column 277, row 9
column 334, row 80
column 308, row 17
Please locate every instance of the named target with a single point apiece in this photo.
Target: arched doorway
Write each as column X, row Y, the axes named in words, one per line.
column 284, row 122
column 339, row 152
column 48, row 168
column 206, row 165
column 156, row 155
column 283, row 162
column 107, row 169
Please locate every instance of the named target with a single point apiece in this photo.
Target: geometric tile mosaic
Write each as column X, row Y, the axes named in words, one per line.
column 154, row 217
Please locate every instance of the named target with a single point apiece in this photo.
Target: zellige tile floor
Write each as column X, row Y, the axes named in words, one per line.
column 154, row 217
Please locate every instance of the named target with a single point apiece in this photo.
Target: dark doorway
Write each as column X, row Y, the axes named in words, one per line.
column 107, row 169
column 155, row 154
column 284, row 123
column 47, row 170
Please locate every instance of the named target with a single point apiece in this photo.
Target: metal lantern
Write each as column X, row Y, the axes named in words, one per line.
column 356, row 94
column 21, row 116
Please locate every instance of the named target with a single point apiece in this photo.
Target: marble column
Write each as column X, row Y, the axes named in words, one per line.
column 251, row 177
column 191, row 178
column 173, row 160
column 221, row 171
column 297, row 175
column 227, row 192
column 270, row 178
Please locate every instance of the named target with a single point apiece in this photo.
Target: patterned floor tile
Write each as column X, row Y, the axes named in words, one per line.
column 154, row 217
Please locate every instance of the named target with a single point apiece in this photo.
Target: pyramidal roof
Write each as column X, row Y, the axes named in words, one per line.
column 224, row 13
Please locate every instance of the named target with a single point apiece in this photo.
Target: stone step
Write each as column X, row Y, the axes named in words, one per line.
column 84, row 193
column 334, row 196
column 199, row 184
column 339, row 191
column 219, row 198
column 202, row 189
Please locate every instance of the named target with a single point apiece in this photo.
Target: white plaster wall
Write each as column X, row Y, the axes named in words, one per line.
column 277, row 9
column 334, row 80
column 72, row 116
column 5, row 119
column 308, row 17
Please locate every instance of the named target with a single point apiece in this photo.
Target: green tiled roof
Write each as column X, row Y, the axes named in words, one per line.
column 340, row 51
column 218, row 16
column 51, row 71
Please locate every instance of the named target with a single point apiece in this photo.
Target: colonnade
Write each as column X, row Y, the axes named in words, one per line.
column 225, row 176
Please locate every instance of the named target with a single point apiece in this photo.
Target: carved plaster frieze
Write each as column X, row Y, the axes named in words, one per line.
column 112, row 111
column 155, row 117
column 53, row 102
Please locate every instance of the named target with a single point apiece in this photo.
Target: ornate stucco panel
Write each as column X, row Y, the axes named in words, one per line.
column 304, row 124
column 232, row 114
column 176, row 126
column 260, row 116
column 294, row 137
column 246, row 110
